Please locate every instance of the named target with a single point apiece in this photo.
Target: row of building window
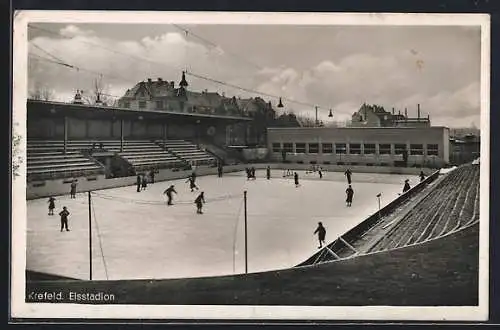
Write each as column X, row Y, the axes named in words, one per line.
column 355, row 148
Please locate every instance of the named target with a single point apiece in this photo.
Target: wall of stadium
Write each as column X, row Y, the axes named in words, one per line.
column 426, row 146
column 39, row 189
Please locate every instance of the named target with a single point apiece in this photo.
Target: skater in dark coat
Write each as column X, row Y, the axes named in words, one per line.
column 296, row 179
column 220, row 170
column 350, row 193
column 406, row 186
column 199, row 202
column 192, row 184
column 64, row 218
column 138, row 183
column 169, row 192
column 144, row 182
column 348, row 174
column 268, row 172
column 252, row 172
column 422, row 176
column 320, row 172
column 321, row 231
column 152, row 176
column 73, row 189
column 52, row 205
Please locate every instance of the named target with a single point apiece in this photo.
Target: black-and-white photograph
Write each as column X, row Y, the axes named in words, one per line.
column 291, row 166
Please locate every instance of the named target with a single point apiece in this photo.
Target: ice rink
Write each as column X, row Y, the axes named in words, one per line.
column 137, row 236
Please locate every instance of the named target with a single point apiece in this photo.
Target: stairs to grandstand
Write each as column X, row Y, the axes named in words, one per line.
column 446, row 206
column 47, row 160
column 187, row 151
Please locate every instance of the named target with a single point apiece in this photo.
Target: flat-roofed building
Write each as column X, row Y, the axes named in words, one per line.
column 425, row 146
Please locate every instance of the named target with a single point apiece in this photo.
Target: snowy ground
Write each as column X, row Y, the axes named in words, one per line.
column 136, row 235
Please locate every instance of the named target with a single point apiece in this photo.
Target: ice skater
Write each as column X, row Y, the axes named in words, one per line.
column 348, row 174
column 321, row 231
column 350, row 194
column 169, row 192
column 73, row 189
column 52, row 205
column 152, row 175
column 406, row 186
column 138, row 183
column 268, row 172
column 220, row 170
column 199, row 202
column 64, row 218
column 252, row 172
column 422, row 176
column 320, row 172
column 296, row 179
column 192, row 183
column 144, row 183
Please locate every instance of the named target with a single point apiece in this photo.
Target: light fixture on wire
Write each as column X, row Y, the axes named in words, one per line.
column 280, row 104
column 330, row 114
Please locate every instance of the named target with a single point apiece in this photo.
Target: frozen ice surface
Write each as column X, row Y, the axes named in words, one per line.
column 137, row 236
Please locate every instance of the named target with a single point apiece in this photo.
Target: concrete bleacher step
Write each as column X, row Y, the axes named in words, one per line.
column 56, row 161
column 50, row 155
column 63, row 165
column 68, row 170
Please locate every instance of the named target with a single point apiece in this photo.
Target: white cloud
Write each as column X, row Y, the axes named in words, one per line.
column 445, row 86
column 71, row 31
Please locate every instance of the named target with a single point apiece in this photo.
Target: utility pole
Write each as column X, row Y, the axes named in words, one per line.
column 317, row 123
column 90, row 235
column 378, row 197
column 246, row 237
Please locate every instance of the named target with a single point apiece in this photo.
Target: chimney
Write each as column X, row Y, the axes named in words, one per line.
column 418, row 111
column 406, row 113
column 392, row 110
column 399, row 112
column 172, row 84
column 160, row 80
column 149, row 80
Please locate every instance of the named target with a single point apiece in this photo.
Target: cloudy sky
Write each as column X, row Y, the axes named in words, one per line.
column 337, row 67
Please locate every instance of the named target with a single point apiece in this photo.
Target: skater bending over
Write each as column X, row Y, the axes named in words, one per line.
column 199, row 202
column 192, row 183
column 169, row 192
column 321, row 231
column 406, row 186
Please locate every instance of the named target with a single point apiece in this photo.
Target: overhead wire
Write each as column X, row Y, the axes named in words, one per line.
column 193, row 74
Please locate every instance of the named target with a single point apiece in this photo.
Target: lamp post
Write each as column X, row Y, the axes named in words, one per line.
column 378, row 197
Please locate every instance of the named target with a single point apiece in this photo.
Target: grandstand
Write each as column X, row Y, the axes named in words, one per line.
column 429, row 211
column 50, row 159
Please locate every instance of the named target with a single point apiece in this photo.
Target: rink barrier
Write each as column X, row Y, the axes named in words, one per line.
column 40, row 189
column 356, row 232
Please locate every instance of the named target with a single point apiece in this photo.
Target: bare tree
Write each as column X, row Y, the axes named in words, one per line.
column 16, row 158
column 41, row 92
column 307, row 121
column 99, row 94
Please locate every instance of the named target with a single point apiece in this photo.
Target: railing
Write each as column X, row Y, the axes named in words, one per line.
column 346, row 239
